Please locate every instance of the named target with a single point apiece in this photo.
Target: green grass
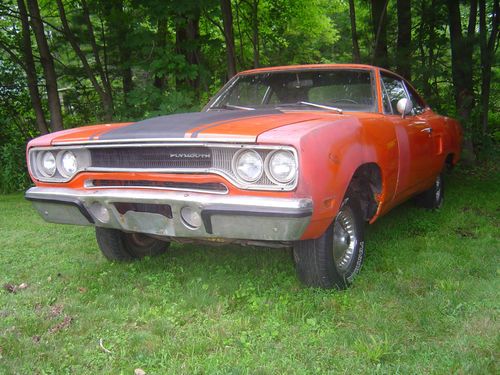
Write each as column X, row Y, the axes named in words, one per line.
column 426, row 301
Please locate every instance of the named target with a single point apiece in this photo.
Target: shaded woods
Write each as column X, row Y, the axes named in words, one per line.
column 68, row 63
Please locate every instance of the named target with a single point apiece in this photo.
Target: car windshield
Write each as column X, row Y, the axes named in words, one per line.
column 341, row 89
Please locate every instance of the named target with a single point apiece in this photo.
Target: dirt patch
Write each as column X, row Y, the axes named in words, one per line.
column 62, row 325
column 56, row 310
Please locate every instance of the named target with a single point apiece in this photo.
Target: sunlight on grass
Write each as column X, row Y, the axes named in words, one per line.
column 426, row 300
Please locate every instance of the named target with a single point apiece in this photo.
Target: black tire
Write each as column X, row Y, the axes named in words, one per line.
column 122, row 246
column 433, row 197
column 325, row 262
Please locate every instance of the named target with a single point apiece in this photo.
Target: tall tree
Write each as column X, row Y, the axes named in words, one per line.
column 403, row 51
column 462, row 64
column 47, row 61
column 227, row 19
column 356, row 56
column 487, row 43
column 119, row 23
column 461, row 56
column 29, row 68
column 103, row 90
column 160, row 80
column 379, row 23
column 187, row 42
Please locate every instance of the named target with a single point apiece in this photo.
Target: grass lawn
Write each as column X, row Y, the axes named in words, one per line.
column 426, row 301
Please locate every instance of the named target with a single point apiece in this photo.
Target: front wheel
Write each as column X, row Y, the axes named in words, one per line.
column 123, row 246
column 433, row 197
column 335, row 258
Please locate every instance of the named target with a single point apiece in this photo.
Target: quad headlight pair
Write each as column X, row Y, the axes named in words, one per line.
column 61, row 163
column 280, row 166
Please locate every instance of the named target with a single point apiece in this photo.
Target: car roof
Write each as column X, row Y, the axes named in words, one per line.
column 308, row 67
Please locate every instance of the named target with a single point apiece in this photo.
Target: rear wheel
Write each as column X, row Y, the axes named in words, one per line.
column 123, row 246
column 433, row 197
column 335, row 258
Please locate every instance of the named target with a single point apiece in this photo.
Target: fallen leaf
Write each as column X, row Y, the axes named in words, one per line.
column 82, row 290
column 139, row 371
column 22, row 286
column 49, row 279
column 60, row 326
column 36, row 339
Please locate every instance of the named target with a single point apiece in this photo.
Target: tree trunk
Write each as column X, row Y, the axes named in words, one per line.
column 160, row 80
column 240, row 35
column 356, row 57
column 106, row 97
column 95, row 50
column 255, row 33
column 461, row 58
column 461, row 66
column 187, row 40
column 379, row 21
column 487, row 56
column 122, row 29
column 56, row 121
column 227, row 18
column 29, row 67
column 404, row 39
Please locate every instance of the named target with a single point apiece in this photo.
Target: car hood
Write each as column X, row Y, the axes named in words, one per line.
column 239, row 126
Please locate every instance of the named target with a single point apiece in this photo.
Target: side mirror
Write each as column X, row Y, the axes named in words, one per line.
column 404, row 107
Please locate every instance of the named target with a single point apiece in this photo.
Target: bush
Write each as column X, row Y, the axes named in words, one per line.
column 13, row 172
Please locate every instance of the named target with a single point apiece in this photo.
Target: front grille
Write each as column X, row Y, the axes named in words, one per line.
column 151, row 157
column 164, row 158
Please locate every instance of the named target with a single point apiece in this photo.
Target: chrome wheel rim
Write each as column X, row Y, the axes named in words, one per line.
column 344, row 239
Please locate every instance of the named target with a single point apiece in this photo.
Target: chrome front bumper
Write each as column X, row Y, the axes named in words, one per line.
column 159, row 212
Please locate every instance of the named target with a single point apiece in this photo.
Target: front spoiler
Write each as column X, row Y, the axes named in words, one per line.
column 158, row 212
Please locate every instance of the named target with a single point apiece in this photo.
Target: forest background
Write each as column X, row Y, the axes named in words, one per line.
column 67, row 63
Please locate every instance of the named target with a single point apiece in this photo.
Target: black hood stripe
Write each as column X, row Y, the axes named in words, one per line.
column 176, row 126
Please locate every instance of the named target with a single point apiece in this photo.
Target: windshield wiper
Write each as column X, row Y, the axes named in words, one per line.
column 322, row 106
column 232, row 106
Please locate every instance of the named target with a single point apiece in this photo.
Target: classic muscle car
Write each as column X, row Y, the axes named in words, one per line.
column 298, row 156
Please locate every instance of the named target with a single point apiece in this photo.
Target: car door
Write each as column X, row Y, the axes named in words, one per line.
column 414, row 137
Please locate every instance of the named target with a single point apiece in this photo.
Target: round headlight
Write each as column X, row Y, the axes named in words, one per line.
column 248, row 165
column 48, row 165
column 69, row 164
column 282, row 166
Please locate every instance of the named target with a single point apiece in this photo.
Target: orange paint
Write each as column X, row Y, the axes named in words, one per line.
column 330, row 146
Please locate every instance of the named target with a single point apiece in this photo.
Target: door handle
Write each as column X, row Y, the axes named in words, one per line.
column 427, row 130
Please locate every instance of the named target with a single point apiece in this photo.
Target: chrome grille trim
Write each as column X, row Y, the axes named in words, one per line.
column 131, row 184
column 221, row 161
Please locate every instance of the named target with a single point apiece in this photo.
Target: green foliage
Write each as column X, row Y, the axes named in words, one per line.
column 144, row 39
column 13, row 176
column 426, row 301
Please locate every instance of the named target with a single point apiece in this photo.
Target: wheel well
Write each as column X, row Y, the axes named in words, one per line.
column 365, row 184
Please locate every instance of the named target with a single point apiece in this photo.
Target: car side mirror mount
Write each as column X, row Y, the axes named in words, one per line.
column 405, row 106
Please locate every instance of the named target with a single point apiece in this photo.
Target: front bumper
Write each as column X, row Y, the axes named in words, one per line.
column 159, row 213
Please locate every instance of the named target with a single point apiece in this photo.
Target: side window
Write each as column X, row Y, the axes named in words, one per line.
column 418, row 104
column 395, row 90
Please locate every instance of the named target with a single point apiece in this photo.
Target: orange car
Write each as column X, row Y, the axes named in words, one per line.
column 296, row 156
